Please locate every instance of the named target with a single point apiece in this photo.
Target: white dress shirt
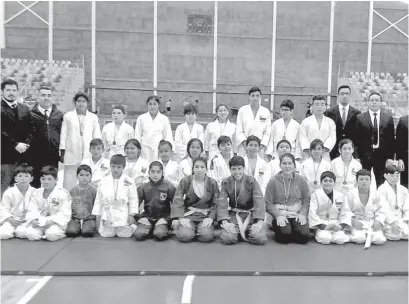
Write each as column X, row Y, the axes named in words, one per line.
column 42, row 110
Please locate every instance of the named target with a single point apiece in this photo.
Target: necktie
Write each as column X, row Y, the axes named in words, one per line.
column 344, row 116
column 46, row 113
column 14, row 107
column 375, row 130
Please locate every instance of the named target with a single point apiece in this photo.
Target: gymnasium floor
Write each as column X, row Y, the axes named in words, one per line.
column 101, row 270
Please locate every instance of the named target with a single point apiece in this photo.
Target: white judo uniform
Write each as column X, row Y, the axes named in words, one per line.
column 262, row 173
column 56, row 208
column 374, row 210
column 182, row 136
column 115, row 201
column 99, row 169
column 398, row 210
column 218, row 169
column 171, row 172
column 247, row 125
column 280, row 132
column 323, row 211
column 114, row 138
column 185, row 168
column 312, row 172
column 309, row 130
column 213, row 131
column 149, row 132
column 345, row 173
column 138, row 171
column 14, row 205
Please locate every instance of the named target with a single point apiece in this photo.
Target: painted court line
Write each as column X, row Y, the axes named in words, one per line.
column 187, row 290
column 33, row 291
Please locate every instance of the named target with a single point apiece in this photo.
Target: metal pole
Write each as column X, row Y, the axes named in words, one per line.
column 93, row 54
column 369, row 59
column 155, row 47
column 50, row 29
column 273, row 55
column 216, row 7
column 331, row 47
column 2, row 24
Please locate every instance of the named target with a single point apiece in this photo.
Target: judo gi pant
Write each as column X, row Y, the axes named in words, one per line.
column 159, row 232
column 327, row 237
column 402, row 235
column 8, row 231
column 88, row 229
column 228, row 238
column 292, row 232
column 123, row 231
column 52, row 233
column 7, row 172
column 359, row 237
column 203, row 234
column 70, row 176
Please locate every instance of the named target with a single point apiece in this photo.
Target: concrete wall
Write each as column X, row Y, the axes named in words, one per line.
column 124, row 60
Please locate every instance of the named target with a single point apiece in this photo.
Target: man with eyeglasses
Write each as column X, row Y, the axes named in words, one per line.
column 344, row 115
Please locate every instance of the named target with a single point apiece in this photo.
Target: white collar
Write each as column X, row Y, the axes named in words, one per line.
column 42, row 110
column 11, row 104
column 378, row 113
column 341, row 107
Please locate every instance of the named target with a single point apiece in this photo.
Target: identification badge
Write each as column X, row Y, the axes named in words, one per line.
column 163, row 196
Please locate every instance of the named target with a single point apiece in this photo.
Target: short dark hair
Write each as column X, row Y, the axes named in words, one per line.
column 287, row 103
column 344, row 142
column 84, row 168
column 24, row 168
column 329, row 174
column 316, row 142
column 200, row 158
column 253, row 138
column 154, row 97
column 156, row 163
column 8, row 82
column 45, row 87
column 134, row 142
column 189, row 109
column 317, row 97
column 236, row 161
column 222, row 105
column 119, row 107
column 165, row 142
column 375, row 93
column 344, row 86
column 223, row 140
column 391, row 169
column 49, row 170
column 254, row 89
column 96, row 142
column 118, row 159
column 363, row 172
column 283, row 141
column 287, row 155
column 80, row 94
column 191, row 142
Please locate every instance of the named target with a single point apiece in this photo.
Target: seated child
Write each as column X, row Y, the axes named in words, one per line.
column 241, row 207
column 194, row 150
column 283, row 146
column 116, row 202
column 136, row 167
column 155, row 197
column 49, row 209
column 315, row 165
column 194, row 207
column 98, row 164
column 219, row 165
column 396, row 199
column 254, row 165
column 83, row 197
column 363, row 210
column 170, row 167
column 323, row 215
column 13, row 206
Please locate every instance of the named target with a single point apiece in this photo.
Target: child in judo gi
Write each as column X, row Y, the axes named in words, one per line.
column 83, row 197
column 187, row 130
column 116, row 133
column 396, row 199
column 49, row 209
column 155, row 198
column 219, row 164
column 170, row 167
column 98, row 164
column 136, row 166
column 194, row 206
column 14, row 204
column 363, row 210
column 283, row 146
column 315, row 165
column 116, row 203
column 323, row 216
column 194, row 150
column 241, row 207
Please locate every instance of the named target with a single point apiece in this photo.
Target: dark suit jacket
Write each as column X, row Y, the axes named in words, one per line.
column 15, row 129
column 401, row 146
column 364, row 135
column 343, row 132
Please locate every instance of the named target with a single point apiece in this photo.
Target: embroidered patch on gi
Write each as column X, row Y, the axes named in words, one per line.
column 261, row 172
column 263, row 119
column 163, row 196
column 143, row 170
column 54, row 202
column 103, row 167
column 353, row 171
column 127, row 183
column 338, row 204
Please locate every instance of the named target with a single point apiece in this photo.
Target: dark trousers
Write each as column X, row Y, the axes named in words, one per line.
column 7, row 172
column 293, row 232
column 375, row 160
column 89, row 228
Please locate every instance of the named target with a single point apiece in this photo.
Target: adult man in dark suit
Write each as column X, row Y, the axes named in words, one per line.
column 344, row 117
column 47, row 120
column 401, row 149
column 16, row 132
column 375, row 137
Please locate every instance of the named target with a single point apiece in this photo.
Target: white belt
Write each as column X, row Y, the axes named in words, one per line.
column 193, row 210
column 242, row 225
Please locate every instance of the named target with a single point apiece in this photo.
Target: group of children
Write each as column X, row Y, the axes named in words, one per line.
column 121, row 193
